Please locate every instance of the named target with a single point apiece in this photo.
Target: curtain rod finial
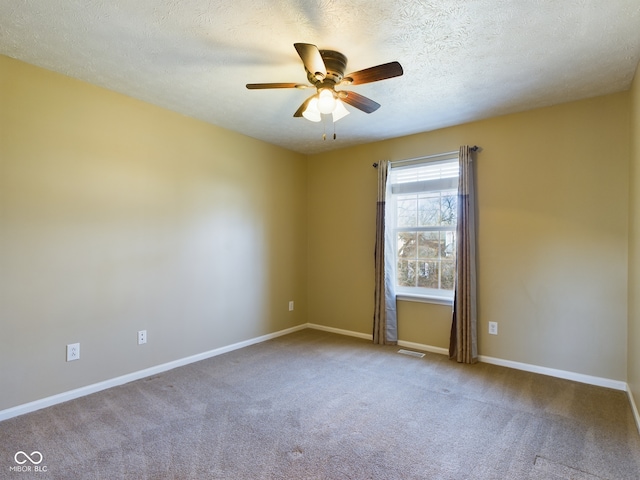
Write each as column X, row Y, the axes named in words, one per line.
column 375, row 165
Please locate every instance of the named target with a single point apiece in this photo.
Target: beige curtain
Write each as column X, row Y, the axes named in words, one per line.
column 385, row 330
column 463, row 346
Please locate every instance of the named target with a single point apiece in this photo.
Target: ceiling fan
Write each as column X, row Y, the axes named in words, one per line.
column 325, row 71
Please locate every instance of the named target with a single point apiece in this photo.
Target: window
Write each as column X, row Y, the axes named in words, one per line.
column 422, row 217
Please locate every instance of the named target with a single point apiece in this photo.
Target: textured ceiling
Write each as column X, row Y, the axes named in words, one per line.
column 463, row 60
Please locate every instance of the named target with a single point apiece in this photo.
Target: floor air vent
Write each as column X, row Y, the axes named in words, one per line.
column 411, row 353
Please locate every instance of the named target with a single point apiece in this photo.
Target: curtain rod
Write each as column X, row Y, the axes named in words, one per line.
column 473, row 149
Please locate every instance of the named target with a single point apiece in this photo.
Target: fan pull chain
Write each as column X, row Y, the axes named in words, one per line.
column 324, row 129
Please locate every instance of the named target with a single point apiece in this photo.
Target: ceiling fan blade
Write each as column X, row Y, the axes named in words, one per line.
column 260, row 86
column 303, row 107
column 312, row 59
column 373, row 74
column 359, row 101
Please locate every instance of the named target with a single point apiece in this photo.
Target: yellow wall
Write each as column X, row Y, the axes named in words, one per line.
column 634, row 245
column 553, row 208
column 118, row 216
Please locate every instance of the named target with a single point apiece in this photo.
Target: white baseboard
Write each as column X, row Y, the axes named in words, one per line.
column 634, row 407
column 96, row 387
column 552, row 372
column 114, row 382
column 424, row 348
column 578, row 377
column 401, row 343
column 339, row 331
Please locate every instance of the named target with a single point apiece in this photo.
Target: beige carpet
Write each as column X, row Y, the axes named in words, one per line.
column 313, row 405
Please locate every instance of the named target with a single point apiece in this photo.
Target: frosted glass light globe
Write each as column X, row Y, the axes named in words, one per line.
column 311, row 112
column 326, row 101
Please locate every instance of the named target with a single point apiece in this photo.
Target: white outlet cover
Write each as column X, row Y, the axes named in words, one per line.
column 142, row 337
column 73, row 352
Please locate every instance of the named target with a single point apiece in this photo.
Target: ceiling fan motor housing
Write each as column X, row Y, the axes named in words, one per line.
column 335, row 63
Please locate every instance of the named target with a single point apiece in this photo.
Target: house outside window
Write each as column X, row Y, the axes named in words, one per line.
column 422, row 217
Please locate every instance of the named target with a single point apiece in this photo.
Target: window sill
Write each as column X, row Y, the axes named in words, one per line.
column 425, row 299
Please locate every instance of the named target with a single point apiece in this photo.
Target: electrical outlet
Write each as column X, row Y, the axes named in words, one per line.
column 142, row 337
column 493, row 328
column 291, row 306
column 73, row 352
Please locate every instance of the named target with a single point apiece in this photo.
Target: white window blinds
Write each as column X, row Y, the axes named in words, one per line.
column 425, row 177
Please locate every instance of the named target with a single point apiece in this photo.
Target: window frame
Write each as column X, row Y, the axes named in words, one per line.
column 446, row 184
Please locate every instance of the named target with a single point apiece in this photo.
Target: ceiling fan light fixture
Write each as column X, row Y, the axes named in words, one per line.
column 312, row 113
column 326, row 101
